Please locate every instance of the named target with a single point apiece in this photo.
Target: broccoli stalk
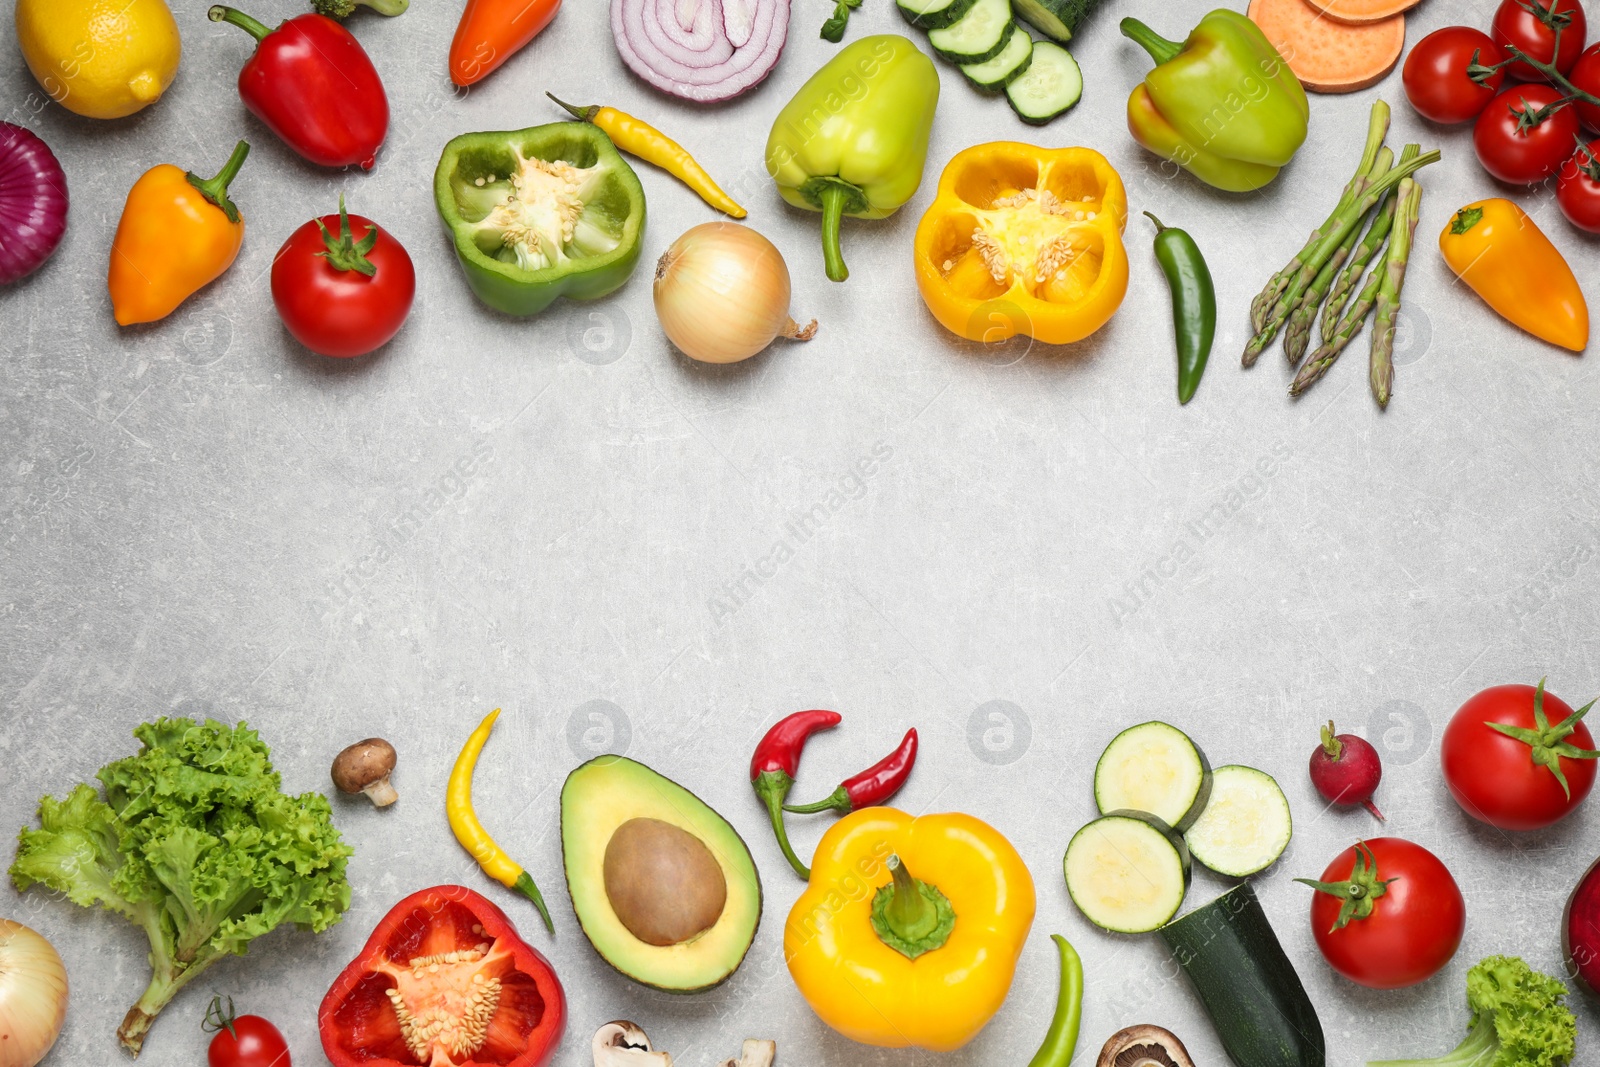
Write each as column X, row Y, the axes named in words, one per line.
column 343, row 9
column 1518, row 1020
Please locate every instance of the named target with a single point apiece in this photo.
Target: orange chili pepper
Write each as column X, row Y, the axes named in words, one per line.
column 178, row 233
column 1502, row 254
column 491, row 31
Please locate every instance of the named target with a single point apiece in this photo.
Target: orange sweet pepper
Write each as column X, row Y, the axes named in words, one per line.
column 1021, row 239
column 178, row 233
column 1502, row 254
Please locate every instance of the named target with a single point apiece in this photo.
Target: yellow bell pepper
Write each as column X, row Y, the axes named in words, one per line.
column 909, row 930
column 1021, row 239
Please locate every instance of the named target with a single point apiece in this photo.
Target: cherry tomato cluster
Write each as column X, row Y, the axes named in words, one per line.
column 1530, row 88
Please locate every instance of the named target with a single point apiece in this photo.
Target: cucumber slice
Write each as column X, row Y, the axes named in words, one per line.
column 976, row 36
column 995, row 74
column 933, row 14
column 1127, row 872
column 1249, row 987
column 1151, row 767
column 1056, row 19
column 1246, row 824
column 1051, row 84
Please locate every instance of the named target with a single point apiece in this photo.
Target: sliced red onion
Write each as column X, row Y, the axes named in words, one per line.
column 33, row 202
column 701, row 50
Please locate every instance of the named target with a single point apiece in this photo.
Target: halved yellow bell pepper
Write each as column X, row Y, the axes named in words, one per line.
column 1022, row 239
column 909, row 930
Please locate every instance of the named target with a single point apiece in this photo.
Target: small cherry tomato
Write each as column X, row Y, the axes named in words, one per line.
column 1526, row 134
column 341, row 294
column 1586, row 76
column 1436, row 79
column 1518, row 758
column 1531, row 26
column 243, row 1040
column 1578, row 191
column 1387, row 913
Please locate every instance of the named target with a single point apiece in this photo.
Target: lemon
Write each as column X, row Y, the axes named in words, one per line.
column 100, row 58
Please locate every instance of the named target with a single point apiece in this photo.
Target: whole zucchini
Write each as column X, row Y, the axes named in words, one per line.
column 1249, row 987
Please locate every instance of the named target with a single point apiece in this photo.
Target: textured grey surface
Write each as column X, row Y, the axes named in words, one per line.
column 200, row 517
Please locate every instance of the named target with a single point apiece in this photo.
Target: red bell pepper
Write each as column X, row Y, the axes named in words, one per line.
column 313, row 85
column 444, row 980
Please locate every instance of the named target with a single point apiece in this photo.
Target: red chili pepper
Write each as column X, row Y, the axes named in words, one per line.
column 775, row 764
column 872, row 786
column 311, row 82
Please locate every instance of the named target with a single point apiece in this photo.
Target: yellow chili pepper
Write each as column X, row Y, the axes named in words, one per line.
column 470, row 832
column 909, row 930
column 639, row 138
column 1502, row 254
column 178, row 233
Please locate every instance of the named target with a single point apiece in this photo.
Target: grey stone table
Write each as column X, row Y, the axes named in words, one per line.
column 564, row 518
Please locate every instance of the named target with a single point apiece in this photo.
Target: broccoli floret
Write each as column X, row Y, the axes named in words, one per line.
column 1518, row 1020
column 343, row 9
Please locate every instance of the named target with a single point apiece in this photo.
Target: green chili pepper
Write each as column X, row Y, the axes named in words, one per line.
column 1062, row 1040
column 1194, row 303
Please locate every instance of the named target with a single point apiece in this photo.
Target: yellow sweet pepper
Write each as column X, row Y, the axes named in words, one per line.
column 909, row 930
column 1026, row 240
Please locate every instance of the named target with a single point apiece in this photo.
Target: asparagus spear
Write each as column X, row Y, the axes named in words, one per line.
column 1377, row 233
column 1349, row 326
column 1377, row 130
column 1344, row 222
column 1381, row 368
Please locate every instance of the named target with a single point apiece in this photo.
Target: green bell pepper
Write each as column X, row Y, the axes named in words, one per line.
column 1223, row 105
column 854, row 138
column 539, row 213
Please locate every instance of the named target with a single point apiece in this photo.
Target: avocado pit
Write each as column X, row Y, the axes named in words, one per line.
column 663, row 883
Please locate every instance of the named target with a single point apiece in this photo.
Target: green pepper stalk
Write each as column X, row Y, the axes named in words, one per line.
column 1381, row 368
column 1194, row 303
column 1371, row 244
column 911, row 916
column 1062, row 1038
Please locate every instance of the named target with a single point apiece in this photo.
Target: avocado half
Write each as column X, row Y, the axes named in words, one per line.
column 663, row 886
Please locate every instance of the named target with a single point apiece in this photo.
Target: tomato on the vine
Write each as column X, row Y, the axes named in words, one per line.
column 1526, row 134
column 1517, row 757
column 1586, row 76
column 1531, row 26
column 1387, row 913
column 243, row 1040
column 1578, row 191
column 342, row 295
column 1436, row 79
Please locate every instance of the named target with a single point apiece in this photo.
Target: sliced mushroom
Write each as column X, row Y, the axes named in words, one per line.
column 754, row 1053
column 365, row 767
column 1144, row 1046
column 625, row 1044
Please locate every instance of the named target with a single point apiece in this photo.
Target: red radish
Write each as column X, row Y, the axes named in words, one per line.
column 1580, row 931
column 1345, row 770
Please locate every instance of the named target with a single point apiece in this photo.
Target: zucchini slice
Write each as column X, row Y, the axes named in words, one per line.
column 976, row 36
column 1246, row 982
column 1246, row 824
column 933, row 14
column 995, row 74
column 1056, row 19
column 1051, row 85
column 1127, row 872
column 1151, row 767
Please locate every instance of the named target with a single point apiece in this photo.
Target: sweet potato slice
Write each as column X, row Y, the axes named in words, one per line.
column 1329, row 56
column 1361, row 12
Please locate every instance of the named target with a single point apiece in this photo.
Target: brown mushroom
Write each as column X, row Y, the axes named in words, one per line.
column 1144, row 1046
column 365, row 767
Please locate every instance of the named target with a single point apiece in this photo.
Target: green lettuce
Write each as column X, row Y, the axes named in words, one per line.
column 195, row 842
column 1518, row 1020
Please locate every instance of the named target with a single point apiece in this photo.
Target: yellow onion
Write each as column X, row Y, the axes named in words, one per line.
column 33, row 995
column 722, row 294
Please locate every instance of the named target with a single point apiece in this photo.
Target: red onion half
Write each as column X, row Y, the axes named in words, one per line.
column 701, row 50
column 33, row 202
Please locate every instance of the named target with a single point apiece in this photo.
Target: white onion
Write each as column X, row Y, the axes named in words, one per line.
column 722, row 294
column 701, row 50
column 33, row 995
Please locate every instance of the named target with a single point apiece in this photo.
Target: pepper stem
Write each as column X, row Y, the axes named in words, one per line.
column 1161, row 227
column 833, row 197
column 526, row 887
column 1160, row 49
column 219, row 13
column 582, row 114
column 345, row 252
column 216, row 189
column 838, row 800
column 772, row 787
column 909, row 916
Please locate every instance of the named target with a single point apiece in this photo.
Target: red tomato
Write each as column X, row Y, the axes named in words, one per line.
column 1586, row 76
column 1494, row 777
column 324, row 296
column 1436, row 74
column 1415, row 923
column 1578, row 191
column 1516, row 149
column 1531, row 26
column 244, row 1040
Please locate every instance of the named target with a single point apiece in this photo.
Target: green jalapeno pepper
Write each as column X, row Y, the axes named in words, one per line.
column 1194, row 303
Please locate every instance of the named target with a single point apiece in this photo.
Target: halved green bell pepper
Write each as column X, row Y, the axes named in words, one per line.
column 855, row 137
column 539, row 213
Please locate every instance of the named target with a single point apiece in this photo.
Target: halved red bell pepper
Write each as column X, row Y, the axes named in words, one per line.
column 444, row 980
